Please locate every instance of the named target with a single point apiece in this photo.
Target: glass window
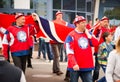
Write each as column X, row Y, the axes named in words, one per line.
column 31, row 4
column 81, row 5
column 88, row 18
column 6, row 4
column 69, row 16
column 12, row 3
column 69, row 5
column 88, row 6
column 2, row 4
column 81, row 14
column 54, row 12
column 56, row 4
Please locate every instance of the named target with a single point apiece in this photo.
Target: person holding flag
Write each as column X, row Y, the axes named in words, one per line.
column 57, row 46
column 17, row 37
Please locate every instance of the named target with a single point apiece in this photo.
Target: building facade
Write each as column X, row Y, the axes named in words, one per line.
column 72, row 8
column 48, row 8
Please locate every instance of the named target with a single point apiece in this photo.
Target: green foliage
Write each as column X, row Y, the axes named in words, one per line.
column 113, row 14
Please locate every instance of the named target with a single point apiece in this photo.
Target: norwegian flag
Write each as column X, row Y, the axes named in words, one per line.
column 47, row 28
column 54, row 31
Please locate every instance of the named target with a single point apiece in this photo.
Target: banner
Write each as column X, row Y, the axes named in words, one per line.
column 47, row 28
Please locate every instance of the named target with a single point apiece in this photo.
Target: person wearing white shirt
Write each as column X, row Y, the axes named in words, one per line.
column 113, row 64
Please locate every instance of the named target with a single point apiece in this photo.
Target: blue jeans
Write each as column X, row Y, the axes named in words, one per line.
column 103, row 79
column 62, row 53
column 49, row 51
column 86, row 76
column 42, row 48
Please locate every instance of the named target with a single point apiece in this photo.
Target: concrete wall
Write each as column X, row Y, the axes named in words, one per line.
column 21, row 4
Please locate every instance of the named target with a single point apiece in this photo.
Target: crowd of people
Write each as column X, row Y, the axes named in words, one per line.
column 81, row 44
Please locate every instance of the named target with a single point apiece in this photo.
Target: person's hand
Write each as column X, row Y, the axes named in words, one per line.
column 88, row 34
column 75, row 67
column 117, row 81
column 2, row 30
column 34, row 15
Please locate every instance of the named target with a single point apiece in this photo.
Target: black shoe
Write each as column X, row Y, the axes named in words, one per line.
column 29, row 66
column 59, row 73
column 67, row 79
column 54, row 72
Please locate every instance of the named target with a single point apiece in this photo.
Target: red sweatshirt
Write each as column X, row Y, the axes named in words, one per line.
column 79, row 52
column 99, row 33
column 18, row 39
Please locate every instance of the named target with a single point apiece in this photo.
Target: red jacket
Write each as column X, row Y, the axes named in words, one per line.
column 98, row 33
column 79, row 52
column 18, row 39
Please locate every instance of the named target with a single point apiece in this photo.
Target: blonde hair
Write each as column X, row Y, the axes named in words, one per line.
column 118, row 45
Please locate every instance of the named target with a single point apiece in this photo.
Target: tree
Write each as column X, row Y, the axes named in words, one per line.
column 113, row 14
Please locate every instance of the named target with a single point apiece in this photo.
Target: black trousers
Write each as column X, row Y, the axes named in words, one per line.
column 97, row 68
column 20, row 61
column 67, row 75
column 29, row 57
column 29, row 60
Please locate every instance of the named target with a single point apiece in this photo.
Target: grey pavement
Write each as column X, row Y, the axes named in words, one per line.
column 42, row 71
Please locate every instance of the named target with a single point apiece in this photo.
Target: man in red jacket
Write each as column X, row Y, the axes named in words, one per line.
column 17, row 38
column 78, row 47
column 57, row 46
column 101, row 27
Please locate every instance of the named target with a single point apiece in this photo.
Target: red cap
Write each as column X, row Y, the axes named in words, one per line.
column 18, row 15
column 79, row 19
column 58, row 12
column 104, row 18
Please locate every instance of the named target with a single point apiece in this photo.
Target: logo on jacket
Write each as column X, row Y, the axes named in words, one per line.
column 22, row 36
column 83, row 42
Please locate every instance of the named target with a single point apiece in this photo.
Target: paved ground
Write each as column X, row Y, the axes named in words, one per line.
column 42, row 71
